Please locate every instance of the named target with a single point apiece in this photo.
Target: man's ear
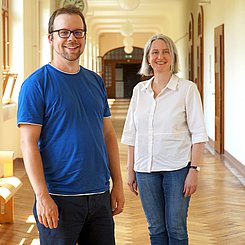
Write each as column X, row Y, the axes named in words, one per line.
column 50, row 38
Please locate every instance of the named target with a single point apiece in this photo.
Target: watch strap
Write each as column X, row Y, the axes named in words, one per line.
column 195, row 167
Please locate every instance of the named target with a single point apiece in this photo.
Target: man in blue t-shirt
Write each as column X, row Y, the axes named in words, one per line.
column 68, row 142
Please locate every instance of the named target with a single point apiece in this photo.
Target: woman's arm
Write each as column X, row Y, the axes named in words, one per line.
column 191, row 181
column 132, row 184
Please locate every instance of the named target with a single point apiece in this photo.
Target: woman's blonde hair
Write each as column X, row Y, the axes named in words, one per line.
column 146, row 69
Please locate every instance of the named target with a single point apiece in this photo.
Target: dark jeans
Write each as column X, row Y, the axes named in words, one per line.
column 83, row 220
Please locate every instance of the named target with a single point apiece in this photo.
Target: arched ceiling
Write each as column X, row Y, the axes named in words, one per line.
column 159, row 16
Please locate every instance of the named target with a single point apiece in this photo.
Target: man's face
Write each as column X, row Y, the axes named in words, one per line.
column 70, row 48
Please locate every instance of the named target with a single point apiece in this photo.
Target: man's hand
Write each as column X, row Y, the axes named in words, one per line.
column 47, row 212
column 117, row 200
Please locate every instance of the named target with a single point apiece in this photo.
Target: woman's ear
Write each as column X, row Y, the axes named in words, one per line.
column 148, row 60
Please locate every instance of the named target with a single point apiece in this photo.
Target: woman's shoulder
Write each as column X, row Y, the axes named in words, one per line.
column 184, row 82
column 143, row 84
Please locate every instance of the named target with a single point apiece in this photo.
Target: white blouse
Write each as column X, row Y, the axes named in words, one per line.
column 163, row 129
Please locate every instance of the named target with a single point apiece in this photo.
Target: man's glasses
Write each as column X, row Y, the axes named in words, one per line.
column 63, row 33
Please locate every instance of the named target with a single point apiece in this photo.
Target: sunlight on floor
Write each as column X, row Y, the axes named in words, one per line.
column 110, row 102
column 30, row 220
column 30, row 229
column 35, row 242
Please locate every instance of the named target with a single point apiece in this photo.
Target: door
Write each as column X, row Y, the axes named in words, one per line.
column 191, row 48
column 109, row 78
column 219, row 88
column 200, row 57
column 130, row 78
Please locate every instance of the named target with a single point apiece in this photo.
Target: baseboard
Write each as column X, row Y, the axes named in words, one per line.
column 234, row 166
column 235, row 163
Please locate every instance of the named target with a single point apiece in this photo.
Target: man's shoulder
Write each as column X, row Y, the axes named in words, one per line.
column 37, row 74
column 90, row 73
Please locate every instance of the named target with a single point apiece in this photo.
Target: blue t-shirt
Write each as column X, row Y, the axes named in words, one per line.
column 70, row 108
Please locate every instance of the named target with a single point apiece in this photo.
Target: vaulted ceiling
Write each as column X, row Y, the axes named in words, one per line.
column 158, row 16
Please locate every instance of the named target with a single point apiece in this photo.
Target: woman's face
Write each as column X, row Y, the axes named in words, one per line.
column 159, row 57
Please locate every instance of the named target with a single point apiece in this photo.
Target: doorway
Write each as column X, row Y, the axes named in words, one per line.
column 120, row 72
column 200, row 55
column 130, row 78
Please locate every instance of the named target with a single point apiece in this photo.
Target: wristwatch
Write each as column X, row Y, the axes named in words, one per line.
column 195, row 167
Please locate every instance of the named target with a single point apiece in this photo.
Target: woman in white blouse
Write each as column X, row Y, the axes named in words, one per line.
column 165, row 134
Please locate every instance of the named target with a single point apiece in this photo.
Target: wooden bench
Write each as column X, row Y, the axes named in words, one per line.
column 9, row 185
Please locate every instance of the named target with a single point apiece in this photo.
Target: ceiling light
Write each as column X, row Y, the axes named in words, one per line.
column 129, row 4
column 127, row 29
column 128, row 49
column 128, row 41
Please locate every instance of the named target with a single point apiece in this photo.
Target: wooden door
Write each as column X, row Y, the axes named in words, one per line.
column 219, row 88
column 109, row 78
column 131, row 78
column 200, row 57
column 191, row 48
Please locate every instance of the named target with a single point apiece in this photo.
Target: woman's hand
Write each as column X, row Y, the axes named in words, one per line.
column 191, row 183
column 132, row 184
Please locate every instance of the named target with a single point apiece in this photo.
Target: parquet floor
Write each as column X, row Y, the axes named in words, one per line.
column 216, row 215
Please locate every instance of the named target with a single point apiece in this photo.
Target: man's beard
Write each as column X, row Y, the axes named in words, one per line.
column 68, row 56
column 71, row 57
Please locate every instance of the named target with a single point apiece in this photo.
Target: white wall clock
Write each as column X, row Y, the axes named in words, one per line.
column 81, row 4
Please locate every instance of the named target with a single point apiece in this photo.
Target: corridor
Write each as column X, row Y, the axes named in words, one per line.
column 216, row 214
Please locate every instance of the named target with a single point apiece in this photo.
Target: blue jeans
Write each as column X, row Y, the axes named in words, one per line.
column 85, row 220
column 165, row 206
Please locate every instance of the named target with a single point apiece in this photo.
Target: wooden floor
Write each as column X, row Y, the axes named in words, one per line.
column 216, row 214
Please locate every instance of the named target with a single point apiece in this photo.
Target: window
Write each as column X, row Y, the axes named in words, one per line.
column 9, row 78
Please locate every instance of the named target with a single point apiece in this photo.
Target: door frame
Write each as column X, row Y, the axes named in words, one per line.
column 200, row 54
column 111, row 91
column 219, row 88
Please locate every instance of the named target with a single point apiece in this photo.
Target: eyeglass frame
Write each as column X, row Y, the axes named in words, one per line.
column 70, row 32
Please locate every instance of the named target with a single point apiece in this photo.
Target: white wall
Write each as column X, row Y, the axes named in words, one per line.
column 231, row 14
column 234, row 77
column 30, row 50
column 9, row 134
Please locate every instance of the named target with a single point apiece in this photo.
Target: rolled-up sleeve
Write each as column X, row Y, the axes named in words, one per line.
column 195, row 118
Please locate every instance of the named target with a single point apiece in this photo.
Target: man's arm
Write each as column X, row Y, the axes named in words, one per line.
column 117, row 195
column 47, row 210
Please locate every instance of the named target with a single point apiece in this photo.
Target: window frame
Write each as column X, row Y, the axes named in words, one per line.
column 8, row 78
column 5, row 34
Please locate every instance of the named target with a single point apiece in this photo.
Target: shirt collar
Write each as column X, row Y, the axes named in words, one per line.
column 172, row 84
